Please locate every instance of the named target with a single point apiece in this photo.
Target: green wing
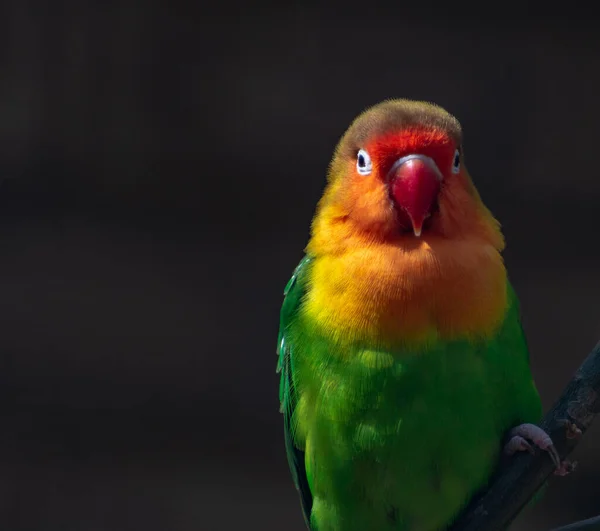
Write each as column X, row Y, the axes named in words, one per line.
column 293, row 294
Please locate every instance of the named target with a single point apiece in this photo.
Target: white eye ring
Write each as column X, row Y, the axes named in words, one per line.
column 364, row 166
column 456, row 162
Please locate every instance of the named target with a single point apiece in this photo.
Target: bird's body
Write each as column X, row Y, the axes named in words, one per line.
column 402, row 356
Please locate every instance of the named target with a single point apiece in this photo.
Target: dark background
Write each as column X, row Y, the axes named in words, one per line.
column 160, row 168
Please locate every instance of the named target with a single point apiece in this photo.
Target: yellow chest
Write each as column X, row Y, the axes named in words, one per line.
column 385, row 294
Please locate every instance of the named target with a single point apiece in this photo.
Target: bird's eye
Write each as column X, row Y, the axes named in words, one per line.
column 363, row 162
column 456, row 162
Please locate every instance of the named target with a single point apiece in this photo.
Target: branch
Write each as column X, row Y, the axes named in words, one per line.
column 591, row 524
column 522, row 476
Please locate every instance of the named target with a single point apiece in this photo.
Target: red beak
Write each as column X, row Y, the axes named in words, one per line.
column 414, row 184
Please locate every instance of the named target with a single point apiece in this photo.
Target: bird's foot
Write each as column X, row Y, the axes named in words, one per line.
column 521, row 436
column 573, row 432
column 565, row 468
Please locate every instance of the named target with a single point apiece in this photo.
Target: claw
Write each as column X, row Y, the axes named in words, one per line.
column 530, row 432
column 553, row 455
column 517, row 444
column 566, row 467
column 533, row 433
column 573, row 431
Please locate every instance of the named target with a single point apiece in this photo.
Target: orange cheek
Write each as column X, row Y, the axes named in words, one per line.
column 451, row 208
column 462, row 213
column 368, row 202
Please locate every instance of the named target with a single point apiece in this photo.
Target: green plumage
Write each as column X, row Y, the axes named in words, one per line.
column 396, row 440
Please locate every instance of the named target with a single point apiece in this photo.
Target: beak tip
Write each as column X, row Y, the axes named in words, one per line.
column 416, row 226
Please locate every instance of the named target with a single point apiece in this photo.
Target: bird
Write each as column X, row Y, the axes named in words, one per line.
column 404, row 367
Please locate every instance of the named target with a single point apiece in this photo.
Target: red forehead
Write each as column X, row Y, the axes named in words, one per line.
column 434, row 143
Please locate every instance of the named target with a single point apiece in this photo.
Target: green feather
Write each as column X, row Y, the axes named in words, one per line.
column 399, row 440
column 295, row 455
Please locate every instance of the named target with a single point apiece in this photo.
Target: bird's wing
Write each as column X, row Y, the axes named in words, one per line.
column 293, row 294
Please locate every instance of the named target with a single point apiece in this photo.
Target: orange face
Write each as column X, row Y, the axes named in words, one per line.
column 406, row 184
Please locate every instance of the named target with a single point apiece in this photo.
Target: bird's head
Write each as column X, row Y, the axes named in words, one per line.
column 398, row 174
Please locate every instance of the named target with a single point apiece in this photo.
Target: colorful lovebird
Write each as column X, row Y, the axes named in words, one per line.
column 404, row 367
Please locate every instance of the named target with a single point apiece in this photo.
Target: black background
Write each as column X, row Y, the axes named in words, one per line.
column 161, row 164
